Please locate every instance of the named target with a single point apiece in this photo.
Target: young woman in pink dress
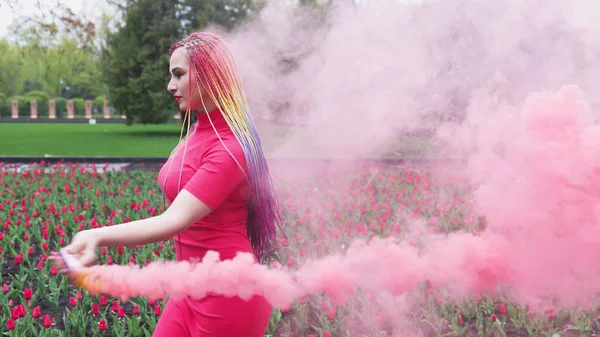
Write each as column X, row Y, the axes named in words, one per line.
column 218, row 188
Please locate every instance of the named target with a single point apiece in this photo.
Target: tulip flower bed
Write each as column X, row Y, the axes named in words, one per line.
column 325, row 208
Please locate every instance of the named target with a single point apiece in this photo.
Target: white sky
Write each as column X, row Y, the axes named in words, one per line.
column 89, row 8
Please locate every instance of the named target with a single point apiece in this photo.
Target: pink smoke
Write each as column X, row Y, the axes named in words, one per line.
column 467, row 71
column 541, row 244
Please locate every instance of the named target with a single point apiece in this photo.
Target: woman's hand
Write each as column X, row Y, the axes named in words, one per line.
column 82, row 247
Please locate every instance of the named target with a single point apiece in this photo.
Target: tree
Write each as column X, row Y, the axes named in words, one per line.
column 45, row 67
column 197, row 14
column 53, row 19
column 136, row 60
column 11, row 80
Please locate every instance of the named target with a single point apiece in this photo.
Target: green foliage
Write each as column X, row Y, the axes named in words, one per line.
column 5, row 105
column 23, row 104
column 42, row 102
column 128, row 66
column 79, row 105
column 39, row 95
column 11, row 66
column 224, row 13
column 98, row 103
column 32, row 66
column 61, row 106
column 137, row 61
column 137, row 55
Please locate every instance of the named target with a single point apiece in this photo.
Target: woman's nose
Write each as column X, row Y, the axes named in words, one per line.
column 171, row 88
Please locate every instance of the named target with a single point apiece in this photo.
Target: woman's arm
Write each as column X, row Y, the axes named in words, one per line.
column 185, row 210
column 212, row 183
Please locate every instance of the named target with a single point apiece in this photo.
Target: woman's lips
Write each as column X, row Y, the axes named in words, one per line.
column 178, row 98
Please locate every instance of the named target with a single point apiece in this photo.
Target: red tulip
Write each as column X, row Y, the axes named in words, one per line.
column 136, row 310
column 502, row 309
column 72, row 301
column 331, row 313
column 102, row 325
column 36, row 313
column 95, row 309
column 157, row 310
column 47, row 321
column 10, row 324
column 27, row 293
column 21, row 311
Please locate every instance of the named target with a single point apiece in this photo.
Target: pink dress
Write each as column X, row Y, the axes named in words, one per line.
column 210, row 174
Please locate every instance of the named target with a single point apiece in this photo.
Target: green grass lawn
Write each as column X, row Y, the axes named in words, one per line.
column 120, row 140
column 38, row 139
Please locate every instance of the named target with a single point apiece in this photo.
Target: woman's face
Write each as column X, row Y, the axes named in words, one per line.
column 179, row 85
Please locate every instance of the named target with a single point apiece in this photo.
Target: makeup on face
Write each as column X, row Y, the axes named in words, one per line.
column 178, row 72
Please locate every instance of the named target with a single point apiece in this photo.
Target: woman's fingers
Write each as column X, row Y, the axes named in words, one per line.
column 88, row 257
column 58, row 262
column 75, row 248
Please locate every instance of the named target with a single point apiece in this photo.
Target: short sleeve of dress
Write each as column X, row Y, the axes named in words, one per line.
column 217, row 177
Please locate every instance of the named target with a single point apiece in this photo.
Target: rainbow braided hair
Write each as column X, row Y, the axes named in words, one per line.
column 213, row 68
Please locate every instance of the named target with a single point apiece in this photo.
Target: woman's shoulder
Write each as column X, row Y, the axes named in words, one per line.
column 225, row 144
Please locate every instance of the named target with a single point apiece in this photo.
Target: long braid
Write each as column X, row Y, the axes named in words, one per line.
column 213, row 68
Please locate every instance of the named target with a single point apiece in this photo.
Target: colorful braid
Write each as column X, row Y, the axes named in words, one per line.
column 213, row 68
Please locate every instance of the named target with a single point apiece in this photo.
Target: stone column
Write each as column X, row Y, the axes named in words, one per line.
column 33, row 108
column 70, row 109
column 52, row 106
column 15, row 108
column 88, row 109
column 106, row 110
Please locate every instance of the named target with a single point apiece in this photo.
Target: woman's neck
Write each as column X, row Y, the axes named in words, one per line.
column 207, row 107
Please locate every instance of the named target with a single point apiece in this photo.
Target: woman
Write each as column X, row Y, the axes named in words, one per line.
column 218, row 188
